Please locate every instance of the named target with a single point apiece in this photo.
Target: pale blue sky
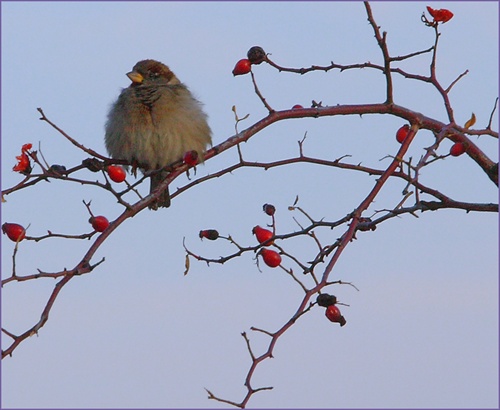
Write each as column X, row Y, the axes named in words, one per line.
column 422, row 331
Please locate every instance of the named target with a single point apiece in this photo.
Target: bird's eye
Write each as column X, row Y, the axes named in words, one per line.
column 154, row 74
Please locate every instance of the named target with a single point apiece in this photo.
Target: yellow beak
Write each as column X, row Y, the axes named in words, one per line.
column 135, row 77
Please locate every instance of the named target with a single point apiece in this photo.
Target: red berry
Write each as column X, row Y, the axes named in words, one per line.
column 269, row 209
column 116, row 173
column 210, row 234
column 457, row 149
column 191, row 158
column 297, row 107
column 15, row 232
column 99, row 223
column 271, row 258
column 262, row 235
column 333, row 314
column 242, row 67
column 402, row 133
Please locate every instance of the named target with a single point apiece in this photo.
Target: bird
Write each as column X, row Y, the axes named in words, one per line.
column 154, row 122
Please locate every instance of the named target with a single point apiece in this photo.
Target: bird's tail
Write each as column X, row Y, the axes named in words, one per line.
column 164, row 199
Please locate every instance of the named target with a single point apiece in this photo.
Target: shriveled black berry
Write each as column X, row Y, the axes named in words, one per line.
column 210, row 234
column 326, row 300
column 256, row 55
column 57, row 169
column 93, row 164
column 269, row 209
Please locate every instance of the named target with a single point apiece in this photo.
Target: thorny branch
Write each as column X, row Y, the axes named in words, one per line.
column 311, row 273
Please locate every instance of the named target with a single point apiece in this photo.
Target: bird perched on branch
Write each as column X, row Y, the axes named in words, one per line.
column 154, row 122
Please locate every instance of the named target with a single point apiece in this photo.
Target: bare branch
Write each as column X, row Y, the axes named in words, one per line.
column 70, row 139
column 382, row 42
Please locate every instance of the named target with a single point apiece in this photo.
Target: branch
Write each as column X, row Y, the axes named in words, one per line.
column 73, row 141
column 382, row 42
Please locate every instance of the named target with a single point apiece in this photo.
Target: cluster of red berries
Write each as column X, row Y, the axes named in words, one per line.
column 332, row 312
column 265, row 237
column 17, row 233
column 457, row 149
column 255, row 55
column 117, row 174
column 100, row 223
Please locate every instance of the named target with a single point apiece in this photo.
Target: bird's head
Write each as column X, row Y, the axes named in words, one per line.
column 152, row 71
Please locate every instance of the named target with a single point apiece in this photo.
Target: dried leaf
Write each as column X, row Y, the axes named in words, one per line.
column 471, row 122
column 186, row 264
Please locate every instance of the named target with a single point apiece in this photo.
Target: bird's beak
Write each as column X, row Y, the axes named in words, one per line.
column 135, row 77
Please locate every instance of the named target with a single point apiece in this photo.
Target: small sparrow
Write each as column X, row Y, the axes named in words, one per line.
column 154, row 122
